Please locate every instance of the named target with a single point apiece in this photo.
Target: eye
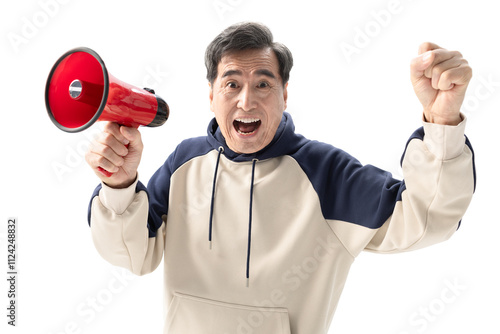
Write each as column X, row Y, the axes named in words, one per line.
column 232, row 84
column 263, row 84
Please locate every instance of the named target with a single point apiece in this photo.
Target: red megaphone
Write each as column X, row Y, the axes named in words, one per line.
column 80, row 91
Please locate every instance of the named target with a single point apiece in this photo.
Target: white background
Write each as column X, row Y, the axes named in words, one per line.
column 362, row 103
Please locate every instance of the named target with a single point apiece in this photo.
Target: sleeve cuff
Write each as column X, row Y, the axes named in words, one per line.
column 446, row 142
column 117, row 200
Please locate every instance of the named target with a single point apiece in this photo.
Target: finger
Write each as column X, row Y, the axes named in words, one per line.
column 110, row 140
column 419, row 64
column 132, row 135
column 458, row 76
column 438, row 69
column 106, row 153
column 114, row 129
column 105, row 167
column 95, row 161
column 441, row 56
column 427, row 46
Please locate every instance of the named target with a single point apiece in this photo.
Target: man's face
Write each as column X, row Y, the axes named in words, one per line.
column 248, row 99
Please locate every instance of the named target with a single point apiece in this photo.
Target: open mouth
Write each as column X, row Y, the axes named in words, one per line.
column 246, row 126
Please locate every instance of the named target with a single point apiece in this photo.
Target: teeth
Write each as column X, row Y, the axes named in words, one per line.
column 244, row 133
column 247, row 120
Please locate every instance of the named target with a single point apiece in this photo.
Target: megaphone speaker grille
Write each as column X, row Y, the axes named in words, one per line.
column 77, row 90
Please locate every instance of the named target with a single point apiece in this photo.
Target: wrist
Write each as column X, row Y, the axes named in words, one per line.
column 117, row 200
column 452, row 120
column 121, row 185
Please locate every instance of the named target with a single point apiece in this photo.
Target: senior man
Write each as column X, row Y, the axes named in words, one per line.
column 257, row 225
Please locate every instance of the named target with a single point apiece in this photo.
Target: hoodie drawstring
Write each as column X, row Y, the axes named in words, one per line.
column 250, row 222
column 221, row 150
column 254, row 161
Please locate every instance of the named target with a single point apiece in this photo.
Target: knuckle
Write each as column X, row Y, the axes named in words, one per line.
column 445, row 79
column 87, row 159
column 437, row 70
column 88, row 156
column 101, row 161
column 106, row 150
column 106, row 164
column 111, row 126
column 435, row 84
column 90, row 148
column 425, row 45
column 467, row 72
column 123, row 151
column 107, row 137
column 107, row 126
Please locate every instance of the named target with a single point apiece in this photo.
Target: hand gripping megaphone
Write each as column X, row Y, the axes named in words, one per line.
column 80, row 91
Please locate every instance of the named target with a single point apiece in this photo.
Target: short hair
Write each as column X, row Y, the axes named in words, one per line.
column 243, row 36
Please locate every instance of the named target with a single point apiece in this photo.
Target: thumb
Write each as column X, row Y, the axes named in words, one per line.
column 420, row 64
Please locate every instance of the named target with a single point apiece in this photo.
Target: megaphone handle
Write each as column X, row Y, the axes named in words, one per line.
column 105, row 172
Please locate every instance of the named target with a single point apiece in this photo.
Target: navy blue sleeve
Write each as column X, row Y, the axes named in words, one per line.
column 94, row 194
column 347, row 190
column 158, row 192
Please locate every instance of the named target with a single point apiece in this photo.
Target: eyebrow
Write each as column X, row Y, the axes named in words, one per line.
column 264, row 72
column 231, row 72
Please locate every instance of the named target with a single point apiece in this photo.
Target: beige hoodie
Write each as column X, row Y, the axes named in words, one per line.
column 263, row 243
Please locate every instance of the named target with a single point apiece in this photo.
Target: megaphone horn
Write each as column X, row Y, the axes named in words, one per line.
column 80, row 91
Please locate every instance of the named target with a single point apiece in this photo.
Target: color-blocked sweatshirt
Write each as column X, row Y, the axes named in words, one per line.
column 262, row 243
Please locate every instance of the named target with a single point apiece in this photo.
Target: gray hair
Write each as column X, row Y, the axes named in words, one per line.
column 243, row 36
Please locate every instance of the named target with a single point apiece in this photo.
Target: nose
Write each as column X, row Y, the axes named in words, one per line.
column 246, row 99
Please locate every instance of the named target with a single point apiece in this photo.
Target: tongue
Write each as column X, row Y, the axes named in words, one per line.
column 246, row 127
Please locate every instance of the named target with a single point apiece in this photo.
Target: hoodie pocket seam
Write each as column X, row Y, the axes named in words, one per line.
column 193, row 314
column 230, row 305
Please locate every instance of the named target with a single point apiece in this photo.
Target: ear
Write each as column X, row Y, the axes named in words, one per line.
column 285, row 94
column 211, row 95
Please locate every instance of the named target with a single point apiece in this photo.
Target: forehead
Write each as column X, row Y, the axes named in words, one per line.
column 249, row 62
